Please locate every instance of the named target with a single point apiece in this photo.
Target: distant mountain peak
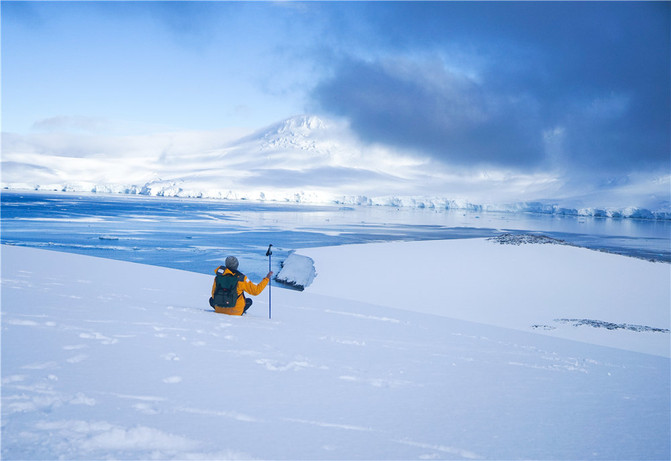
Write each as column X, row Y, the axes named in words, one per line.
column 303, row 124
column 298, row 132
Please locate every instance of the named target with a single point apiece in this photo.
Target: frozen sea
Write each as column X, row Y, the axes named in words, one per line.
column 197, row 234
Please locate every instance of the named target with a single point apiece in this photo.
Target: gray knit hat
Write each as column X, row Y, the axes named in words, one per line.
column 232, row 263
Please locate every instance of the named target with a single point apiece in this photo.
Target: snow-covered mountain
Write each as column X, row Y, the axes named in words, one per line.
column 304, row 159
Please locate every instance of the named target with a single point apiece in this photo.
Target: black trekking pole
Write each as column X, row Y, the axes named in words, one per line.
column 269, row 253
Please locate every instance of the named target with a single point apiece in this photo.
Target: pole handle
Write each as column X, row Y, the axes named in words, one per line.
column 269, row 253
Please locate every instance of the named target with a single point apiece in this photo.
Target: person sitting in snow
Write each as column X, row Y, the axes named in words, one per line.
column 229, row 287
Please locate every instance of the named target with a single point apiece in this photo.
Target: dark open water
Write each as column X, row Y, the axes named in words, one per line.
column 197, row 234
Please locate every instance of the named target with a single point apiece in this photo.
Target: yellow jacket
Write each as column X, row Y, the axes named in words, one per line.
column 243, row 286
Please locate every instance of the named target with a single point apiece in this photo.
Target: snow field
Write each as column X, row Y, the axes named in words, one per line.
column 507, row 286
column 108, row 359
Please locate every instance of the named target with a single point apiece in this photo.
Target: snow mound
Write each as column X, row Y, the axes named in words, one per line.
column 298, row 271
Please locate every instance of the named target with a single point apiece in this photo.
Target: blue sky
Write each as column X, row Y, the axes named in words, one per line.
column 577, row 87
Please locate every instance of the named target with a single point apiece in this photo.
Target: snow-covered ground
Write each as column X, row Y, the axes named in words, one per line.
column 527, row 287
column 415, row 350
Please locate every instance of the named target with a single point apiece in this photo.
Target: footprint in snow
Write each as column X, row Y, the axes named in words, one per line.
column 146, row 409
column 273, row 365
column 14, row 379
column 97, row 336
column 40, row 366
column 347, row 342
column 22, row 323
column 77, row 358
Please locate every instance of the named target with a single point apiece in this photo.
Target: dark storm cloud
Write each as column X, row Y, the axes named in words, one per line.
column 575, row 85
column 448, row 115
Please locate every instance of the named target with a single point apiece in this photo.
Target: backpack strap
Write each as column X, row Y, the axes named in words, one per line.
column 221, row 269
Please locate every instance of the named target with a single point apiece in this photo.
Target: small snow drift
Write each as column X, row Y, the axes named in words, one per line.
column 298, row 271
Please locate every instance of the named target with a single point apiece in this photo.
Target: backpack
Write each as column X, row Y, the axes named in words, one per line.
column 226, row 293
